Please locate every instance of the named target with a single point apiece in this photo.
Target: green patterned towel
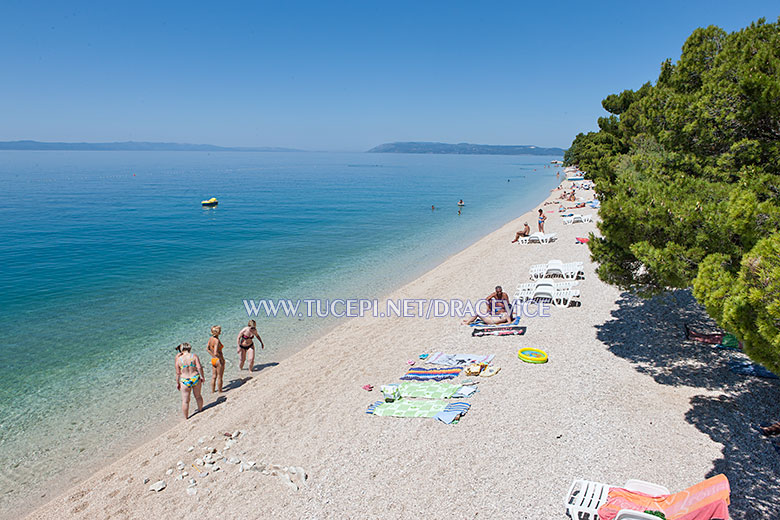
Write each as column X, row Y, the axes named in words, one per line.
column 407, row 408
column 428, row 389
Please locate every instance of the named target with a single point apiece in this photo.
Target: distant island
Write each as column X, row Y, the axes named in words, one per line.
column 133, row 146
column 464, row 148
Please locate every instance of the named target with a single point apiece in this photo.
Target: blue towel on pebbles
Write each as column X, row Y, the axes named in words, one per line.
column 746, row 368
column 452, row 412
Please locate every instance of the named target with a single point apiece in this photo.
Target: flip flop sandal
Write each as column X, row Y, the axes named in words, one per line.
column 367, row 388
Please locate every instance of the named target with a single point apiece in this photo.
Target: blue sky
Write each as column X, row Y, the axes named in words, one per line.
column 333, row 75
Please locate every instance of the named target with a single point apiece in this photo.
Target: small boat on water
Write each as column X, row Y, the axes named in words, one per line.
column 209, row 203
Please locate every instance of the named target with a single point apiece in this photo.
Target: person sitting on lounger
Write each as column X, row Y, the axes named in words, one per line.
column 524, row 233
column 499, row 309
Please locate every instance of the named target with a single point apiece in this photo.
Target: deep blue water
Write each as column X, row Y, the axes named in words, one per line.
column 109, row 261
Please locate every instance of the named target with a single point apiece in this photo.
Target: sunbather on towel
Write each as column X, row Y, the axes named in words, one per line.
column 499, row 309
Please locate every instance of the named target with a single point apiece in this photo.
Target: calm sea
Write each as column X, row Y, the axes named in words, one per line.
column 109, row 261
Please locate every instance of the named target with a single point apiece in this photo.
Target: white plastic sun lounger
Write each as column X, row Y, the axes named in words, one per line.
column 559, row 297
column 542, row 238
column 564, row 298
column 577, row 218
column 585, row 498
column 569, row 271
column 556, row 285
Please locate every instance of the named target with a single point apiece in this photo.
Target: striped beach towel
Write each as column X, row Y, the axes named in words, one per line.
column 706, row 500
column 431, row 374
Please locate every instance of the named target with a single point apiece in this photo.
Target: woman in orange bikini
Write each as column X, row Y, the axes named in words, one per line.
column 217, row 359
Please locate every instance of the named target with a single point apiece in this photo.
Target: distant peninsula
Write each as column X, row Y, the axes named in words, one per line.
column 133, row 146
column 464, row 148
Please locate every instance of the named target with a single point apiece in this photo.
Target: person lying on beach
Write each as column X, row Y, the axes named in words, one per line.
column 524, row 233
column 217, row 359
column 578, row 205
column 246, row 347
column 499, row 309
column 189, row 378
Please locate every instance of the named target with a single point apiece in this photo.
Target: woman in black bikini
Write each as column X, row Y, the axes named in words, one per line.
column 246, row 347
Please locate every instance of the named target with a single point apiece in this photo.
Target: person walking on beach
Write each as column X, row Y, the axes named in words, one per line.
column 542, row 218
column 246, row 347
column 524, row 233
column 189, row 378
column 217, row 359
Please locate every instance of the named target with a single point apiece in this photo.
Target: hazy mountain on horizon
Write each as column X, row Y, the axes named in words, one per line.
column 464, row 148
column 135, row 146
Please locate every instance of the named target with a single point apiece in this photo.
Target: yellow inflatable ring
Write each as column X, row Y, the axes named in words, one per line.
column 532, row 355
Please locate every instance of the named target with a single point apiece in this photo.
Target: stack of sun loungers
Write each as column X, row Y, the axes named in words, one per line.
column 571, row 219
column 542, row 238
column 556, row 268
column 561, row 294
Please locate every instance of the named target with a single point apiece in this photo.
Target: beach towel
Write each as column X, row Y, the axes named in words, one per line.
column 421, row 390
column 407, row 408
column 582, row 240
column 431, row 374
column 746, row 368
column 453, row 412
column 706, row 500
column 511, row 330
column 440, row 358
column 428, row 389
column 725, row 341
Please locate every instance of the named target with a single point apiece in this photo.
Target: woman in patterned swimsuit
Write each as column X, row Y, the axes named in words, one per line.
column 189, row 377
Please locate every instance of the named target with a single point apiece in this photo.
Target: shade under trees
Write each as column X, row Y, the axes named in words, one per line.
column 688, row 170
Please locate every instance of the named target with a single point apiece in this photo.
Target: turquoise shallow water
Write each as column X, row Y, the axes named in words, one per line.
column 109, row 261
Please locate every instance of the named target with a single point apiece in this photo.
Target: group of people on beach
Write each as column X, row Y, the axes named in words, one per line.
column 189, row 370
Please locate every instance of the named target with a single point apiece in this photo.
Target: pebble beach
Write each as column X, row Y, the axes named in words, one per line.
column 623, row 396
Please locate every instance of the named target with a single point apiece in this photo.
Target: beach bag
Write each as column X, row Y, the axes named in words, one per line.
column 391, row 393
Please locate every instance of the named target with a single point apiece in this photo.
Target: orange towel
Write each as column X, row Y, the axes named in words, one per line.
column 706, row 500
